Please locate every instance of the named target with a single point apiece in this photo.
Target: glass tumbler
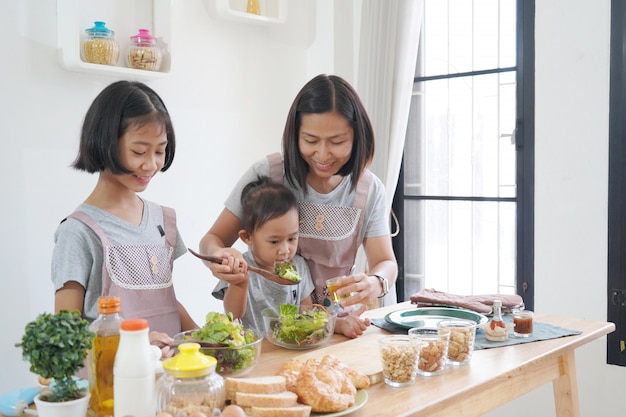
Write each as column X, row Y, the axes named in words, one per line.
column 523, row 320
column 432, row 349
column 399, row 359
column 462, row 337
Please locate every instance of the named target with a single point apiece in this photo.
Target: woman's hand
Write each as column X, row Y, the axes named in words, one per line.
column 361, row 289
column 352, row 325
column 233, row 269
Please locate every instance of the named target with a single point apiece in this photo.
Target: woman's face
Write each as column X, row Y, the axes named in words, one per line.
column 275, row 240
column 325, row 141
column 142, row 150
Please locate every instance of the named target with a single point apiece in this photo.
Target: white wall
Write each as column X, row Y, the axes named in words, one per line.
column 229, row 90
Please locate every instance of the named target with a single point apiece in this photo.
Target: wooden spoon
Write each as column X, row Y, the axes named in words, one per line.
column 264, row 273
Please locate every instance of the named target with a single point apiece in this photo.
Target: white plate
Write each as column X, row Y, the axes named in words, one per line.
column 430, row 316
column 361, row 399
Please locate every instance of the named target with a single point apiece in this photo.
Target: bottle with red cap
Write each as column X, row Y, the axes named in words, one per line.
column 133, row 371
column 102, row 356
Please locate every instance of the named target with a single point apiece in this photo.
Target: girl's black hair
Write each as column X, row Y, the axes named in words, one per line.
column 328, row 93
column 121, row 106
column 264, row 200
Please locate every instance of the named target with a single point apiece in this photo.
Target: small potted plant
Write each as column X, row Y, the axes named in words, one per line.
column 56, row 346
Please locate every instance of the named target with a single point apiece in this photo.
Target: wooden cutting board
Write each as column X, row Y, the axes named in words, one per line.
column 366, row 362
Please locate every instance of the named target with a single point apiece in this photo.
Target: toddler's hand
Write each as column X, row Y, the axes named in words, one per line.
column 351, row 325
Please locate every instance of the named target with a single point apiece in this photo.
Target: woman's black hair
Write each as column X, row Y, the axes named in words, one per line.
column 263, row 200
column 328, row 93
column 121, row 106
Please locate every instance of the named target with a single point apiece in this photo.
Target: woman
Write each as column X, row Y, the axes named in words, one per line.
column 328, row 142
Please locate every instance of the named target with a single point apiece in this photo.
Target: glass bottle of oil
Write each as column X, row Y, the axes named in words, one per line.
column 102, row 356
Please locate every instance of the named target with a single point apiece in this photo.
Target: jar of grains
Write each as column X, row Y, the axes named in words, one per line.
column 190, row 384
column 143, row 52
column 100, row 46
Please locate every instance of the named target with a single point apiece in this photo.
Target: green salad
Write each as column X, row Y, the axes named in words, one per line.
column 302, row 328
column 287, row 270
column 229, row 333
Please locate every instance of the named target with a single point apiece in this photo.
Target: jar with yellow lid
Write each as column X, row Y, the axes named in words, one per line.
column 100, row 46
column 189, row 383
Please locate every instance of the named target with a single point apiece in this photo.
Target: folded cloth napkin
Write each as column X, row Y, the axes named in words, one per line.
column 478, row 303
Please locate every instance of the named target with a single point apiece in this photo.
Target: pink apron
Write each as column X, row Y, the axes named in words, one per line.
column 329, row 235
column 141, row 275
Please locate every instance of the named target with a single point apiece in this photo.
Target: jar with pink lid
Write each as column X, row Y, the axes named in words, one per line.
column 143, row 52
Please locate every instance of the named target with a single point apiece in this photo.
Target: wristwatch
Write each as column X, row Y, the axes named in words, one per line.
column 384, row 283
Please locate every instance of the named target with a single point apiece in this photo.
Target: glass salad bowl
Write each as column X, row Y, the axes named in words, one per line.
column 299, row 327
column 236, row 349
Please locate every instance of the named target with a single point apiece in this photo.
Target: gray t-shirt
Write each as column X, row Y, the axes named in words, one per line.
column 376, row 221
column 263, row 293
column 78, row 256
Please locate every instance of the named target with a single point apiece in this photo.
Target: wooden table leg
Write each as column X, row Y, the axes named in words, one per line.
column 565, row 387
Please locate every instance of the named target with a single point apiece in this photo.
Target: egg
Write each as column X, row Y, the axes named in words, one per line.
column 233, row 411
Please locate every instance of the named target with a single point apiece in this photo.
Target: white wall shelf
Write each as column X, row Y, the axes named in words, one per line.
column 74, row 16
column 272, row 11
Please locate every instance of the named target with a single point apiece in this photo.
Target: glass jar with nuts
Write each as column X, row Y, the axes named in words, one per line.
column 462, row 337
column 100, row 46
column 399, row 359
column 143, row 52
column 432, row 349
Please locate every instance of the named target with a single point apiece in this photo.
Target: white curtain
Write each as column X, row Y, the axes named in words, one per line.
column 389, row 41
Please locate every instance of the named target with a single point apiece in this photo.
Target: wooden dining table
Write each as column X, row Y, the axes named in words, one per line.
column 492, row 378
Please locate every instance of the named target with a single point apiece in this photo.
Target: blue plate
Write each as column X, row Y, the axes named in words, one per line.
column 11, row 399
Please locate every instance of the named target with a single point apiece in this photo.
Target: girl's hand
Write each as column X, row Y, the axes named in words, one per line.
column 163, row 341
column 352, row 325
column 234, row 269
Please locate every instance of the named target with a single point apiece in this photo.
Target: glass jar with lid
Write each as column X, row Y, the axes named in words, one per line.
column 143, row 52
column 100, row 46
column 190, row 383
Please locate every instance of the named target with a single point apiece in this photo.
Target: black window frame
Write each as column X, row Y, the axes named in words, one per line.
column 616, row 250
column 525, row 169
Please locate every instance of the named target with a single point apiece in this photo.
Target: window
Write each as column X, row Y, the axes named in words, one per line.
column 616, row 341
column 465, row 193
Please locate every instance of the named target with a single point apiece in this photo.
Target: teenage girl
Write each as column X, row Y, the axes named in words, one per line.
column 117, row 243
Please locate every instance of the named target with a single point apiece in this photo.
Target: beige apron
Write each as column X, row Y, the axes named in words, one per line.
column 329, row 235
column 141, row 275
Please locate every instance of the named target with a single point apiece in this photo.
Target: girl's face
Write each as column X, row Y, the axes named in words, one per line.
column 142, row 150
column 325, row 141
column 275, row 240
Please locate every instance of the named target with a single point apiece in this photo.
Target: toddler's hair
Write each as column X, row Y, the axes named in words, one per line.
column 264, row 200
column 120, row 107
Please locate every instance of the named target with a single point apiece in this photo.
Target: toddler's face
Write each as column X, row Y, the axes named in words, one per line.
column 275, row 240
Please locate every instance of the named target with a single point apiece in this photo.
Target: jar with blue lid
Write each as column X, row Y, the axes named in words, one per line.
column 100, row 46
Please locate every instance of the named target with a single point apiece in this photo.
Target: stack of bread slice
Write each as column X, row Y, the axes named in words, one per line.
column 265, row 396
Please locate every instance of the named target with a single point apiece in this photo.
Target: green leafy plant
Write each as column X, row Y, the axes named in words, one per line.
column 56, row 346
